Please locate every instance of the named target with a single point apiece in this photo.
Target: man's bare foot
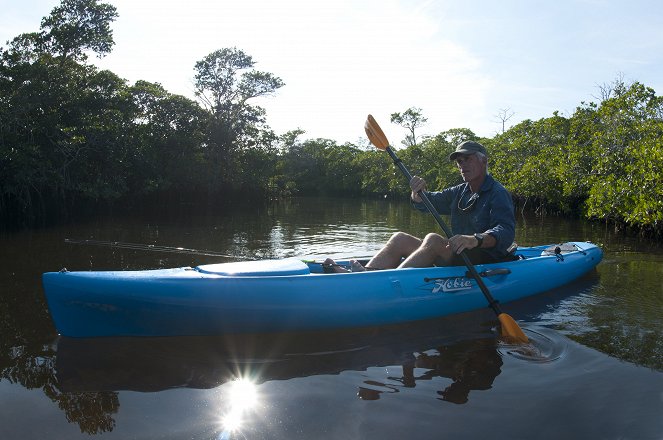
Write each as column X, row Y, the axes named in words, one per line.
column 355, row 266
column 335, row 268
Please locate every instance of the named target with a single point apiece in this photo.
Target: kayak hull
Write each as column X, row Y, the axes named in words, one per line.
column 291, row 295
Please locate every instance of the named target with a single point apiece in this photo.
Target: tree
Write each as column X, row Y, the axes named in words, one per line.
column 411, row 119
column 433, row 160
column 503, row 116
column 624, row 183
column 612, row 89
column 527, row 157
column 76, row 26
column 168, row 134
column 376, row 171
column 225, row 82
column 64, row 123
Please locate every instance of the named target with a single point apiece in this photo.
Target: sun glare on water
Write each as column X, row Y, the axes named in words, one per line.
column 242, row 397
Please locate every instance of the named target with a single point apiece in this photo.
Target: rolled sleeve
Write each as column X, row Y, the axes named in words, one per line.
column 502, row 220
column 441, row 201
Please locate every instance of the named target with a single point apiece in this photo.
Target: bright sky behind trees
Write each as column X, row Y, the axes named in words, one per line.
column 461, row 61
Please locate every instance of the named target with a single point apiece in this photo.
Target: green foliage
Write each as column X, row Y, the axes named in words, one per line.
column 225, row 83
column 79, row 25
column 70, row 134
column 376, row 172
column 411, row 119
column 64, row 124
column 167, row 135
column 433, row 163
column 318, row 166
column 626, row 180
column 603, row 162
column 528, row 159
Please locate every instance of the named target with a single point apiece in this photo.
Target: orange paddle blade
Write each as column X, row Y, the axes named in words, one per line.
column 375, row 134
column 511, row 330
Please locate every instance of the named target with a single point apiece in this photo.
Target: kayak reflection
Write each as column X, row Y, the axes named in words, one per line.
column 108, row 366
column 154, row 364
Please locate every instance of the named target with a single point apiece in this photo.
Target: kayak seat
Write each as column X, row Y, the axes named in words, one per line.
column 261, row 268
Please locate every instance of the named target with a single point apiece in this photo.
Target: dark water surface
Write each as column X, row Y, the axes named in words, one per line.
column 594, row 369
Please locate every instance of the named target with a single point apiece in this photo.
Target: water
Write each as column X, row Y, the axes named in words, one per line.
column 594, row 369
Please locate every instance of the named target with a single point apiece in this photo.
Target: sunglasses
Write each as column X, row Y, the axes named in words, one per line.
column 469, row 204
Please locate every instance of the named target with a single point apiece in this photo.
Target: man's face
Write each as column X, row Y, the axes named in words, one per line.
column 470, row 166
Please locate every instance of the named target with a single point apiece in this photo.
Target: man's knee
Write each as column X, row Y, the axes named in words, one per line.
column 404, row 243
column 435, row 240
column 402, row 238
column 436, row 246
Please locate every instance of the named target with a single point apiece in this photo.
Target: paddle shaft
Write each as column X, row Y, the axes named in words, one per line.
column 470, row 267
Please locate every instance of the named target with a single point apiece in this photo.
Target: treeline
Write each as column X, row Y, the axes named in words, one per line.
column 603, row 162
column 72, row 135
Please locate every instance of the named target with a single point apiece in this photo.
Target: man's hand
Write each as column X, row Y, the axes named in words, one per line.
column 417, row 184
column 459, row 243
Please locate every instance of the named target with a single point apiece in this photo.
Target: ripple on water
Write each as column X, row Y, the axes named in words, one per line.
column 545, row 345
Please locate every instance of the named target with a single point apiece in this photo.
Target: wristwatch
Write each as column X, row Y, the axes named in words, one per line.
column 479, row 238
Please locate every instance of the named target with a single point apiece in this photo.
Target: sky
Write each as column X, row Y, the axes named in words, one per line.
column 462, row 62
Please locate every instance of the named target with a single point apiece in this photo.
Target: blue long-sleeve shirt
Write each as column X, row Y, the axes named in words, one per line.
column 492, row 213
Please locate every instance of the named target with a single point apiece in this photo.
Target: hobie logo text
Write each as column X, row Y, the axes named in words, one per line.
column 452, row 284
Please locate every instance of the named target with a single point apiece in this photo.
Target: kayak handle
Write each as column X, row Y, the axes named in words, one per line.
column 485, row 273
column 491, row 272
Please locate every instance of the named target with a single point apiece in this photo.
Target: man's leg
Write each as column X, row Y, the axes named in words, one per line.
column 433, row 250
column 399, row 246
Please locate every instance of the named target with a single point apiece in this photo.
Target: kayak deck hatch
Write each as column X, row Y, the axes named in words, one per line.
column 285, row 267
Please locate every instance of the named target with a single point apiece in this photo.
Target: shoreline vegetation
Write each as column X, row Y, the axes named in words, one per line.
column 73, row 137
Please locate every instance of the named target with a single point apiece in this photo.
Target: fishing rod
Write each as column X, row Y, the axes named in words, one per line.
column 180, row 250
column 154, row 247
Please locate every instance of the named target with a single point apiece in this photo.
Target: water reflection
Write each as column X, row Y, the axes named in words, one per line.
column 470, row 365
column 240, row 398
column 104, row 367
column 34, row 368
column 92, row 411
column 161, row 363
column 617, row 310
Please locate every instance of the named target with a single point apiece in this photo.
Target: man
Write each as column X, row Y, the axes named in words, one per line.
column 482, row 220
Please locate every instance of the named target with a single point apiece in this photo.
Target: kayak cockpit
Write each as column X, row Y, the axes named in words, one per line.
column 295, row 266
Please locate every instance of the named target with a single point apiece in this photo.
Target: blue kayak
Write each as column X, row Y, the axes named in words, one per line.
column 294, row 295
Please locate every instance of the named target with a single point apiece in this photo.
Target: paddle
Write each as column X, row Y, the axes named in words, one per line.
column 510, row 329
